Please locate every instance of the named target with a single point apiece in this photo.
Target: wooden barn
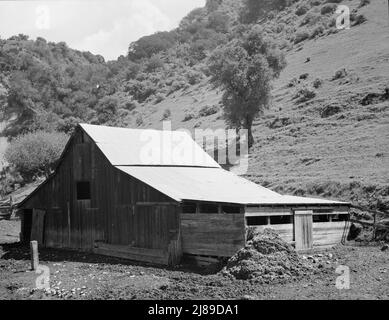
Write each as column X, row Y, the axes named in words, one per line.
column 156, row 196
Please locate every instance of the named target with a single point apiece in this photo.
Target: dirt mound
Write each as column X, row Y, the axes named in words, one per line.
column 266, row 257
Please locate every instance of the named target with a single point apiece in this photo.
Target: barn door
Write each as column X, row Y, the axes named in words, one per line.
column 303, row 226
column 38, row 223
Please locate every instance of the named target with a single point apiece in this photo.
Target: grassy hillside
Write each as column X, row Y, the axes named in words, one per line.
column 333, row 145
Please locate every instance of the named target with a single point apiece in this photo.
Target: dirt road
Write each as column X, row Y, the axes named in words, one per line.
column 87, row 276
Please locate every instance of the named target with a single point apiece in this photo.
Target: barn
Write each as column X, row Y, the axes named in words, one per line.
column 156, row 196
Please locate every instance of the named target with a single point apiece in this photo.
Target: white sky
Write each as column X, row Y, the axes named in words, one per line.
column 103, row 27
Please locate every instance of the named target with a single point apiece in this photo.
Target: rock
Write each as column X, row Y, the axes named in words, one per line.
column 385, row 248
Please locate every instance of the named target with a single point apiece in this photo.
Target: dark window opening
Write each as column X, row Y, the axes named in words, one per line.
column 257, row 221
column 339, row 217
column 209, row 208
column 230, row 209
column 189, row 207
column 83, row 190
column 321, row 218
column 281, row 220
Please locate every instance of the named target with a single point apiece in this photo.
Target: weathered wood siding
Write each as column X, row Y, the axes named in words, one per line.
column 109, row 216
column 220, row 235
column 328, row 233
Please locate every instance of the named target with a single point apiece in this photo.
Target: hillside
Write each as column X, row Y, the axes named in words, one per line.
column 333, row 144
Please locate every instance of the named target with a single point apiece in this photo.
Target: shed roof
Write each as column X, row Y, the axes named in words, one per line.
column 137, row 147
column 212, row 185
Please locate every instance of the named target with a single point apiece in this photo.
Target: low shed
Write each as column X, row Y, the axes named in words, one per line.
column 155, row 196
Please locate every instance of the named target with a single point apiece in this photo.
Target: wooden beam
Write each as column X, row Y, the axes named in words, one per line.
column 157, row 204
column 34, row 255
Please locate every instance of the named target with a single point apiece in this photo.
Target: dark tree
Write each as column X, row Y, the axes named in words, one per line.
column 244, row 69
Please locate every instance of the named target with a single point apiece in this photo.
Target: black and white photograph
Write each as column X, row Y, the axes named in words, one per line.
column 229, row 152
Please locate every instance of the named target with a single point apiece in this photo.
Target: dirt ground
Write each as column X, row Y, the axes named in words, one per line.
column 87, row 276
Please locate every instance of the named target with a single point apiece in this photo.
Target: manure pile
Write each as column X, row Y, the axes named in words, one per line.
column 266, row 258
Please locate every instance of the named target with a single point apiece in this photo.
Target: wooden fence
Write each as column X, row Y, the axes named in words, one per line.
column 6, row 207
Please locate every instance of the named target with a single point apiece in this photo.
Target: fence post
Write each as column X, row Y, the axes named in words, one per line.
column 34, row 255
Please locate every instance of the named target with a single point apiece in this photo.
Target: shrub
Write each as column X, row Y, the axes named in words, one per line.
column 317, row 83
column 159, row 97
column 139, row 120
column 317, row 31
column 315, row 3
column 304, row 76
column 311, row 18
column 301, row 36
column 194, row 77
column 132, row 70
column 334, row 1
column 304, row 94
column 339, row 74
column 328, row 8
column 302, row 9
column 208, row 110
column 153, row 64
column 293, row 83
column 166, row 114
column 150, row 45
column 357, row 19
column 141, row 90
column 131, row 105
column 363, row 3
column 188, row 117
column 36, row 153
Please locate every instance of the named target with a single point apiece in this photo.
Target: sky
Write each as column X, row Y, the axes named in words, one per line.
column 103, row 27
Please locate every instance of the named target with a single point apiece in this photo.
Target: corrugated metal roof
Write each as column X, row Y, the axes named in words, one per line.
column 125, row 147
column 212, row 185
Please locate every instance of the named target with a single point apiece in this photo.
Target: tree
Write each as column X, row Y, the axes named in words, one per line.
column 36, row 153
column 148, row 46
column 244, row 69
column 252, row 10
column 106, row 109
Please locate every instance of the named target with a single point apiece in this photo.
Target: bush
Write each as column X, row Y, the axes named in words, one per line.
column 317, row 83
column 293, row 82
column 304, row 94
column 194, row 77
column 363, row 3
column 188, row 117
column 328, row 8
column 311, row 18
column 301, row 36
column 159, row 97
column 334, row 1
column 166, row 114
column 302, row 9
column 34, row 154
column 358, row 19
column 139, row 120
column 342, row 73
column 153, row 64
column 319, row 30
column 208, row 110
column 148, row 46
